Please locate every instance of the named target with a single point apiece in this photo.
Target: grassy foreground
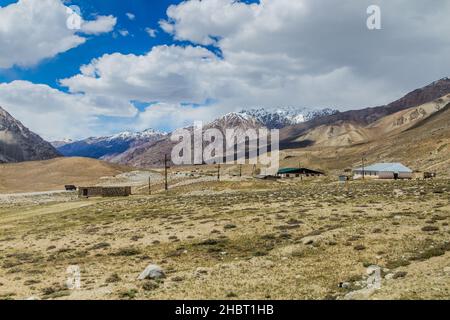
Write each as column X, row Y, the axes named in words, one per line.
column 246, row 240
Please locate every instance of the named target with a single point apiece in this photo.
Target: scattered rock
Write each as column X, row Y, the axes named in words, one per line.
column 152, row 271
column 310, row 240
column 372, row 268
column 389, row 276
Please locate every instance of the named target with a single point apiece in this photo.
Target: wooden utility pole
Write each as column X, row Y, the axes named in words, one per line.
column 218, row 172
column 149, row 186
column 166, row 186
column 240, row 170
column 363, row 172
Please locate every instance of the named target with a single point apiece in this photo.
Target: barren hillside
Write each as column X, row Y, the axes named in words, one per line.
column 346, row 133
column 364, row 117
column 53, row 174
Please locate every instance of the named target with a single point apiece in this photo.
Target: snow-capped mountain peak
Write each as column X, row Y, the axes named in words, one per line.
column 110, row 145
column 282, row 117
column 129, row 135
column 235, row 120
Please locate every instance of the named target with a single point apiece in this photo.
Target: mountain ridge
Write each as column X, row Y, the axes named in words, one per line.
column 18, row 143
column 366, row 116
column 401, row 111
column 283, row 117
column 106, row 147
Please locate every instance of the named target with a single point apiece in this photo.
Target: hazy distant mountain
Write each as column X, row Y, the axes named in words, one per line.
column 152, row 154
column 109, row 146
column 283, row 117
column 18, row 143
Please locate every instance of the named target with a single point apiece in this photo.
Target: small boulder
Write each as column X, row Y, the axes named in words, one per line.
column 389, row 276
column 372, row 269
column 152, row 271
column 310, row 240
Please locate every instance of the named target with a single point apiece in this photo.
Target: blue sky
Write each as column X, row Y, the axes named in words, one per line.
column 206, row 58
column 147, row 14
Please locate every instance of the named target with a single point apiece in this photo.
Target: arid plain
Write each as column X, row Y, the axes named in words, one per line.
column 238, row 238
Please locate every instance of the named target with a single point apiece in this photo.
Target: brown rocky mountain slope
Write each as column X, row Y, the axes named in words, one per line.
column 364, row 117
column 18, row 143
column 345, row 133
column 423, row 146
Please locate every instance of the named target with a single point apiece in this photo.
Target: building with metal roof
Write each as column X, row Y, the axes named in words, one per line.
column 298, row 172
column 383, row 171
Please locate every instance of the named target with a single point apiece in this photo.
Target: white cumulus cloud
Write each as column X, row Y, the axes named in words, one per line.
column 170, row 74
column 101, row 25
column 33, row 30
column 55, row 114
column 151, row 32
column 274, row 53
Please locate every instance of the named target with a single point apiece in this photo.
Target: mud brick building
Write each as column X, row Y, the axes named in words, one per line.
column 116, row 191
column 86, row 192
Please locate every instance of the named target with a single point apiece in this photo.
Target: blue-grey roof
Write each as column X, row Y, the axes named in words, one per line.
column 390, row 167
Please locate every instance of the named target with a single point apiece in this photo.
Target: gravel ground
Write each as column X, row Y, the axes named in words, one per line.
column 38, row 197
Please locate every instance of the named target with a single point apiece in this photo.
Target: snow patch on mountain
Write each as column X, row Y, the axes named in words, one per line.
column 100, row 147
column 129, row 135
column 283, row 117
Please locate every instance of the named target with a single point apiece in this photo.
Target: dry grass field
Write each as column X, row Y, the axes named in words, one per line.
column 245, row 239
column 34, row 176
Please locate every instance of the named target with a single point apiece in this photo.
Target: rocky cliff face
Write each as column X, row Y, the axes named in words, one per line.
column 18, row 143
